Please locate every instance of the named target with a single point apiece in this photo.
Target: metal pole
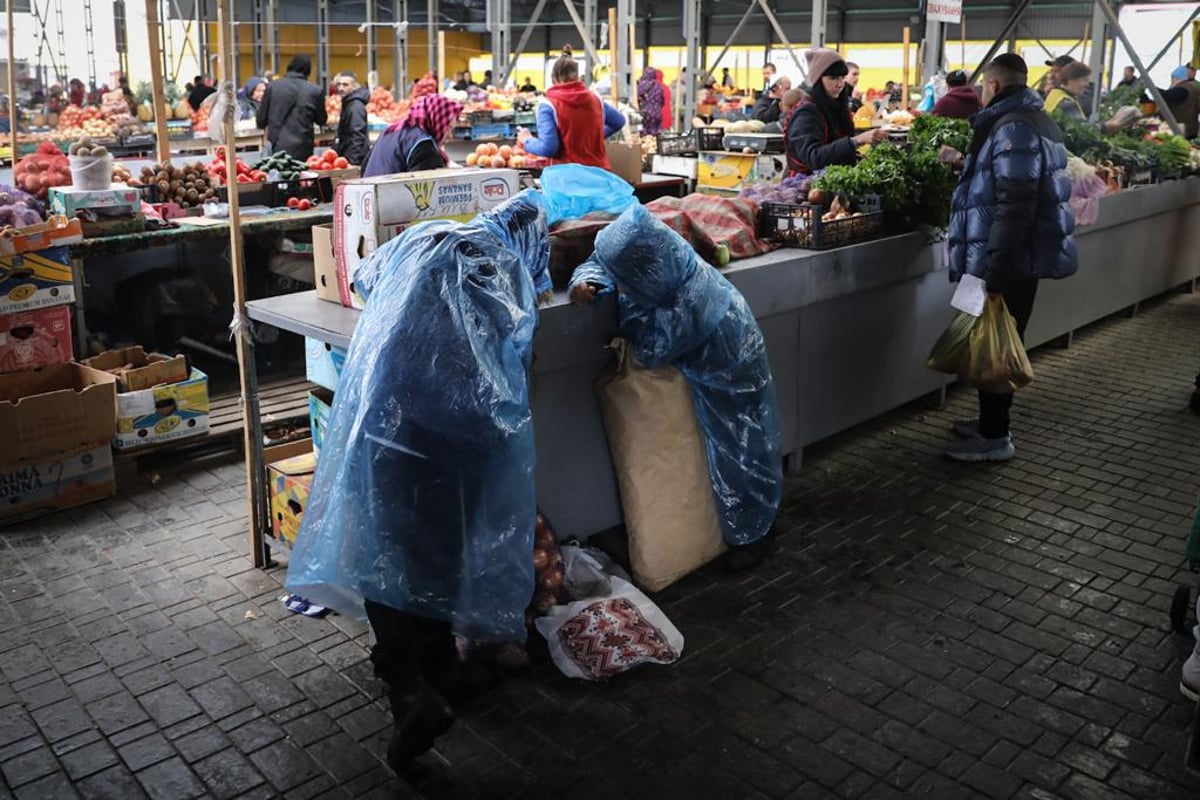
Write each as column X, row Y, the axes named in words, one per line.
column 259, row 19
column 1182, row 30
column 626, row 17
column 372, row 54
column 737, row 29
column 1096, row 57
column 935, row 32
column 818, row 23
column 588, row 44
column 12, row 91
column 1164, row 110
column 1009, row 27
column 400, row 43
column 431, row 17
column 591, row 25
column 323, row 43
column 783, row 37
column 524, row 40
column 691, row 34
column 273, row 35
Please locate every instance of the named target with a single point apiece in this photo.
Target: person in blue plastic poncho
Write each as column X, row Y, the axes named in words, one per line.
column 422, row 509
column 676, row 309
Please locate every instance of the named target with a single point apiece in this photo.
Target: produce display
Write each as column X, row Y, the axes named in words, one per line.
column 382, row 105
column 1147, row 146
column 18, row 208
column 37, row 172
column 327, row 161
column 498, row 156
column 218, row 172
column 121, row 174
column 333, row 109
column 85, row 147
column 74, row 122
column 738, row 126
column 931, row 132
column 188, row 186
column 281, row 167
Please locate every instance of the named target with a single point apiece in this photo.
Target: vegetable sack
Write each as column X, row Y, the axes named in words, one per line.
column 423, row 498
column 676, row 309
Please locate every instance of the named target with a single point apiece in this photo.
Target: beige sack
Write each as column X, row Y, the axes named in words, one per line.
column 662, row 472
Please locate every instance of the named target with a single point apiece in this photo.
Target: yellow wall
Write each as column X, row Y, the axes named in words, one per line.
column 347, row 50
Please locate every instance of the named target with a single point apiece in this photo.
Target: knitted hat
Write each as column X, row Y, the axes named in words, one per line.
column 824, row 62
column 1179, row 73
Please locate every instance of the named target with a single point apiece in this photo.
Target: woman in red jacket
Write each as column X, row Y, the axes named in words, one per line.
column 572, row 121
column 961, row 101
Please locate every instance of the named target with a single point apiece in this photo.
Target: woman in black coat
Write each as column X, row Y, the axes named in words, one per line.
column 821, row 129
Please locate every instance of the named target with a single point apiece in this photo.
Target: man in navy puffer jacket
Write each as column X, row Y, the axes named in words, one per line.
column 1009, row 224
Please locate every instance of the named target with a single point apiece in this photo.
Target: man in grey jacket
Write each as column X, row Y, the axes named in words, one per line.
column 1009, row 224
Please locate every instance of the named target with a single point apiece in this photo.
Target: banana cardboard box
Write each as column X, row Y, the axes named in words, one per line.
column 36, row 280
column 323, row 363
column 738, row 170
column 56, row 481
column 320, row 407
column 158, row 399
column 371, row 211
column 289, row 482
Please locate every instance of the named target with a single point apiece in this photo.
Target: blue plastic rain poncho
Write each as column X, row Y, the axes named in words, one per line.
column 676, row 309
column 423, row 498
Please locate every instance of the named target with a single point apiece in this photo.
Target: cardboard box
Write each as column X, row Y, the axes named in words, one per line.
column 55, row 482
column 158, row 400
column 36, row 280
column 55, row 232
column 289, row 483
column 626, row 161
column 677, row 166
column 372, row 211
column 69, row 201
column 324, row 265
column 136, row 369
column 323, row 363
column 320, row 407
column 32, row 339
column 738, row 170
column 56, row 409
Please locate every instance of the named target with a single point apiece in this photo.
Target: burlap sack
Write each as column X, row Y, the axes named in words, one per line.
column 662, row 473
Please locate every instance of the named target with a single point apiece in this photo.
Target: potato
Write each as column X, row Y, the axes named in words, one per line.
column 99, row 150
column 162, row 176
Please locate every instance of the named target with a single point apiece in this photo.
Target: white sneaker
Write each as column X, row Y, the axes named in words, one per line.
column 977, row 449
column 965, row 428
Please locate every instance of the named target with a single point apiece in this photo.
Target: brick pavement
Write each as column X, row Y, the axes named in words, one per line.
column 929, row 630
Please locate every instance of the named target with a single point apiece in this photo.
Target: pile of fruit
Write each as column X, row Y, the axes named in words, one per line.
column 549, row 571
column 513, row 156
column 37, row 172
column 426, row 86
column 120, row 174
column 200, row 118
column 218, row 172
column 18, row 209
column 86, row 147
column 74, row 122
column 281, row 166
column 327, row 161
column 382, row 105
column 333, row 108
column 301, row 203
column 189, row 186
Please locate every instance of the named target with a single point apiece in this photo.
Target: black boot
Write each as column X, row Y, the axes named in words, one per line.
column 745, row 557
column 419, row 712
column 458, row 680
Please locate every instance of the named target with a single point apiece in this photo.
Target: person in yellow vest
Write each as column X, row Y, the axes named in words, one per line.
column 1073, row 79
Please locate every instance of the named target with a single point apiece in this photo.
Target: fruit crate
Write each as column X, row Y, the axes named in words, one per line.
column 496, row 130
column 802, row 225
column 710, row 138
column 480, row 117
column 678, row 144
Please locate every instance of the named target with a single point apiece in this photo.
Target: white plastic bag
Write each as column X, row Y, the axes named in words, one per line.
column 610, row 632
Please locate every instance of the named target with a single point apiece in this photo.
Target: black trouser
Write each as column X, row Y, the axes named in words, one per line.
column 409, row 648
column 1018, row 292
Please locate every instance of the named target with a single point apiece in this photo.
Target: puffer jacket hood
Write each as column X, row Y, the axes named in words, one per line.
column 1010, row 212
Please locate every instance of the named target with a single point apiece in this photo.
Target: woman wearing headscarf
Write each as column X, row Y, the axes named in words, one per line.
column 414, row 143
column 249, row 97
column 650, row 102
column 821, row 130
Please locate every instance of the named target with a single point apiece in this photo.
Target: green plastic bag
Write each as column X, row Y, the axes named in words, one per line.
column 951, row 347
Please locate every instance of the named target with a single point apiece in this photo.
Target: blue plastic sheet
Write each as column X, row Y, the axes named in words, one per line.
column 676, row 309
column 423, row 498
column 573, row 191
column 521, row 224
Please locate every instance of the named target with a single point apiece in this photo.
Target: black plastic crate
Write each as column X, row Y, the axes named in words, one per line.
column 678, row 144
column 803, row 225
column 319, row 190
column 710, row 138
column 481, row 117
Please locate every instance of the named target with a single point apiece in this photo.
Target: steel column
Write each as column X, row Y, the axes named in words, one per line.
column 588, row 43
column 323, row 75
column 260, row 14
column 623, row 72
column 691, row 34
column 737, row 29
column 500, row 31
column 819, row 12
column 935, row 37
column 1171, row 42
column 1009, row 28
column 400, row 46
column 1164, row 110
column 1097, row 56
column 524, row 40
column 590, row 23
column 431, row 17
column 783, row 39
column 372, row 55
column 273, row 36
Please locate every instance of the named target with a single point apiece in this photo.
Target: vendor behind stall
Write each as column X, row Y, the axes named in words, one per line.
column 1073, row 80
column 249, row 98
column 572, row 122
column 414, row 143
column 821, row 129
column 1183, row 98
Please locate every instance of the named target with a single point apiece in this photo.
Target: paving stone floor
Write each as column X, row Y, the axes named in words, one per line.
column 929, row 630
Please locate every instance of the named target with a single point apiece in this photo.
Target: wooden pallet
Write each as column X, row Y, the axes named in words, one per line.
column 283, row 408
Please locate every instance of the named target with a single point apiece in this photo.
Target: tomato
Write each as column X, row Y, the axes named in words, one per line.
column 330, row 156
column 242, row 179
column 313, row 161
column 292, row 202
column 304, row 205
column 341, row 163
